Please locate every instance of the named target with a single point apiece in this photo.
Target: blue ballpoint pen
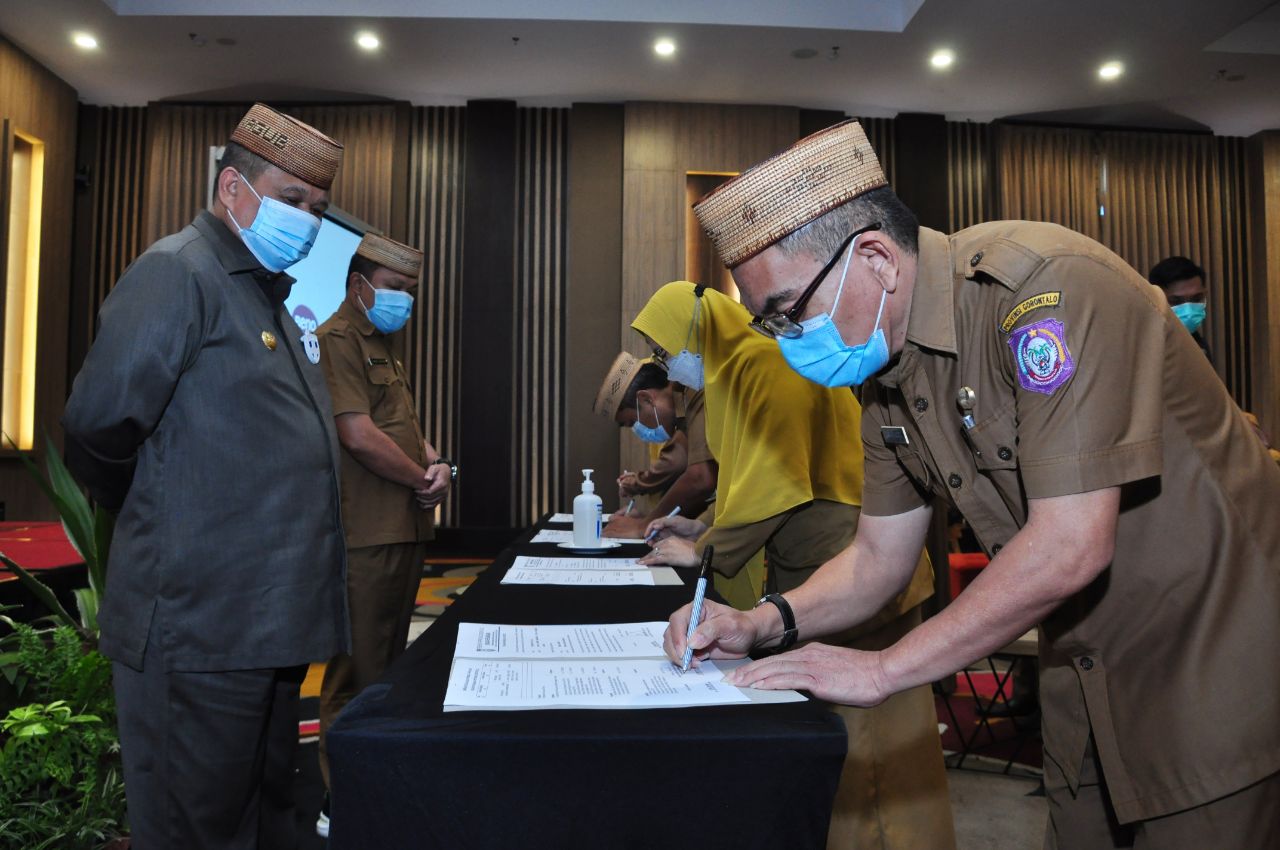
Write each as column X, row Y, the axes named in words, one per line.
column 654, row 533
column 698, row 594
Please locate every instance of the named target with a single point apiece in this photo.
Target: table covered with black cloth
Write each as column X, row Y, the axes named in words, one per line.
column 407, row 775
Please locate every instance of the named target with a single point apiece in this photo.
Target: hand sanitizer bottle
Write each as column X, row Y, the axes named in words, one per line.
column 587, row 514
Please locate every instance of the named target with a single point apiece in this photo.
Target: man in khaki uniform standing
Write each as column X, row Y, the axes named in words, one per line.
column 392, row 479
column 1029, row 376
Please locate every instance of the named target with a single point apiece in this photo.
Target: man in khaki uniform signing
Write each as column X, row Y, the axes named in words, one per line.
column 1029, row 376
column 392, row 479
column 637, row 394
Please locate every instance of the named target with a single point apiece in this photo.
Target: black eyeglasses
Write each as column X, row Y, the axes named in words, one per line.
column 787, row 324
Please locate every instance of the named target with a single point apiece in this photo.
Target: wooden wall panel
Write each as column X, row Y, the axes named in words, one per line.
column 434, row 207
column 540, row 344
column 663, row 142
column 594, row 285
column 112, row 157
column 36, row 102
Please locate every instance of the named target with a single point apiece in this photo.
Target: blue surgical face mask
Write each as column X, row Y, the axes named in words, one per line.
column 280, row 235
column 686, row 367
column 1191, row 314
column 820, row 353
column 650, row 435
column 391, row 308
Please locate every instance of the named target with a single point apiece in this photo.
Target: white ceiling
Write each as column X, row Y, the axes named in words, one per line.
column 1190, row 63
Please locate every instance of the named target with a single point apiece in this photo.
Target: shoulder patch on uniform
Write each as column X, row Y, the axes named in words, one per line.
column 1035, row 302
column 1041, row 356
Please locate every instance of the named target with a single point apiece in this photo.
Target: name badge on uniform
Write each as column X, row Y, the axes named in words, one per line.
column 378, row 361
column 311, row 345
column 894, row 435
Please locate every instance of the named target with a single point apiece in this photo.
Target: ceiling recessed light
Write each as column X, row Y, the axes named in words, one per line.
column 942, row 59
column 664, row 47
column 84, row 41
column 368, row 41
column 1110, row 70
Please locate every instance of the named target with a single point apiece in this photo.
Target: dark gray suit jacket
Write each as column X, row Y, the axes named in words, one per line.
column 198, row 415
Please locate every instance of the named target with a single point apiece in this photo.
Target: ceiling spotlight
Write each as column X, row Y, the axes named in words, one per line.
column 664, row 47
column 84, row 41
column 368, row 41
column 942, row 59
column 1110, row 70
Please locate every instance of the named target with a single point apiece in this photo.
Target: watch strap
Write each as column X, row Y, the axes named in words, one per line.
column 790, row 634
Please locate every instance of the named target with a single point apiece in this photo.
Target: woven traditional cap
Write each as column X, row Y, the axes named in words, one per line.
column 397, row 256
column 616, row 383
column 286, row 142
column 778, row 196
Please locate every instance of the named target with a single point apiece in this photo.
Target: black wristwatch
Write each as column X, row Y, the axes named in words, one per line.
column 453, row 467
column 789, row 631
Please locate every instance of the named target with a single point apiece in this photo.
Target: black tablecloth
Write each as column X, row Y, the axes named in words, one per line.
column 405, row 774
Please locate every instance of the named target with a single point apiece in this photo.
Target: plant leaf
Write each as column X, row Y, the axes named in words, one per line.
column 73, row 507
column 87, row 601
column 104, row 526
column 45, row 596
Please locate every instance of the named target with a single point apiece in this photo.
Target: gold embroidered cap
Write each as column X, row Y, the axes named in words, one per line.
column 287, row 143
column 615, row 385
column 787, row 191
column 397, row 256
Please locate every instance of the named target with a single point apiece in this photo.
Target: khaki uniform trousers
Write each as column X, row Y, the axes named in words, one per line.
column 1249, row 819
column 892, row 793
column 382, row 585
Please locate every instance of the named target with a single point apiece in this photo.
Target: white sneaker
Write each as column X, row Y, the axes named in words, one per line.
column 322, row 824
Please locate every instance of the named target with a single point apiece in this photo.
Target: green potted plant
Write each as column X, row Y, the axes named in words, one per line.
column 60, row 773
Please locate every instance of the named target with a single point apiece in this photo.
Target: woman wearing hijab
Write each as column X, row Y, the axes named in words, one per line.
column 790, row 481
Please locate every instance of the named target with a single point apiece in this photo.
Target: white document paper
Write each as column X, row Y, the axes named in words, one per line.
column 580, row 578
column 603, row 640
column 585, row 683
column 534, row 562
column 565, row 535
column 569, row 518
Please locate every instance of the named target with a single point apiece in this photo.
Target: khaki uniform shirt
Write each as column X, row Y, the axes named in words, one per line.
column 365, row 377
column 1085, row 380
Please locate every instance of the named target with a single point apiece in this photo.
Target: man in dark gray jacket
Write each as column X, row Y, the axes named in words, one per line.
column 202, row 416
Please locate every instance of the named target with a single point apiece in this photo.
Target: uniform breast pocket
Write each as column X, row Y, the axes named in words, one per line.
column 994, row 441
column 382, row 374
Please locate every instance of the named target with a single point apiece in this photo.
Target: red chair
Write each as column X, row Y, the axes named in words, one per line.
column 964, row 567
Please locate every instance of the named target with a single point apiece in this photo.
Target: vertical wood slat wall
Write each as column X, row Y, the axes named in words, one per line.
column 135, row 179
column 435, row 199
column 539, row 318
column 117, row 185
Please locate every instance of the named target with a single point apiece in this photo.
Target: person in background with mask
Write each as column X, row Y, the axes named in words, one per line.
column 201, row 415
column 1182, row 283
column 392, row 478
column 638, row 394
column 1030, row 377
column 790, row 482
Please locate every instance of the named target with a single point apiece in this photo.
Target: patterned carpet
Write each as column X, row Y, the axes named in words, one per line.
column 442, row 582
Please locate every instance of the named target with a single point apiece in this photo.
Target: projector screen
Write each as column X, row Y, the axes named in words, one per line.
column 322, row 275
